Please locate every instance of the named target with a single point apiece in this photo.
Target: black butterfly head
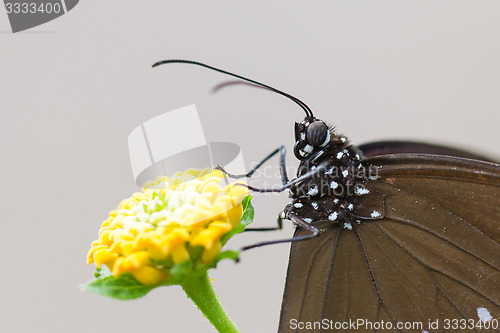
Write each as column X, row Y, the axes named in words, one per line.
column 311, row 134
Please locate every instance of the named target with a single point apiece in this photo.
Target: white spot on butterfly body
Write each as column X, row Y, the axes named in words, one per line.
column 334, row 185
column 484, row 315
column 345, row 173
column 348, row 226
column 335, row 201
column 375, row 214
column 308, row 220
column 339, row 155
column 350, row 207
column 298, row 205
column 333, row 216
column 314, row 205
column 308, row 148
column 343, row 139
column 313, row 191
column 302, row 136
column 362, row 191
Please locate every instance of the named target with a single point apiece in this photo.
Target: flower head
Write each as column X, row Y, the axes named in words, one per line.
column 172, row 223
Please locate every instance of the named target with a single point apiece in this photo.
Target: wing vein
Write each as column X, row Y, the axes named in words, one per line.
column 370, row 270
column 432, row 269
column 410, row 221
column 438, row 288
column 404, row 222
column 334, row 254
column 452, row 212
column 309, row 272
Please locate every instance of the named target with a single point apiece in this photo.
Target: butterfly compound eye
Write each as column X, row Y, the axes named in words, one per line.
column 317, row 132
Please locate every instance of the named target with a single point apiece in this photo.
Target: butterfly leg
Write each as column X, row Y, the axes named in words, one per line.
column 307, row 175
column 281, row 149
column 278, row 227
column 283, row 173
column 299, row 222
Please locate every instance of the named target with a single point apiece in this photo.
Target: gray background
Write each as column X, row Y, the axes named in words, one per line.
column 74, row 88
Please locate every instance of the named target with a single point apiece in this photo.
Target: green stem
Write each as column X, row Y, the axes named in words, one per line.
column 200, row 291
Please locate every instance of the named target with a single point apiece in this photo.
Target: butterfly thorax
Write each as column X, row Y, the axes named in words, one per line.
column 329, row 194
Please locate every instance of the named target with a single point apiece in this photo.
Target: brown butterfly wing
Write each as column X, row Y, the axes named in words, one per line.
column 434, row 255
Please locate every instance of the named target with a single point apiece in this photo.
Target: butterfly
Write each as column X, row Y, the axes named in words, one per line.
column 432, row 255
column 392, row 236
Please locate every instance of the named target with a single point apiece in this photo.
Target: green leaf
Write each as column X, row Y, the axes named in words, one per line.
column 123, row 287
column 229, row 254
column 246, row 219
column 236, row 230
column 248, row 211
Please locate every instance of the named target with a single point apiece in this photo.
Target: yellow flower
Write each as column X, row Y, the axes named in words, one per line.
column 168, row 223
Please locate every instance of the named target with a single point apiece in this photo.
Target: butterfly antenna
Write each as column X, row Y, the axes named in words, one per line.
column 303, row 105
